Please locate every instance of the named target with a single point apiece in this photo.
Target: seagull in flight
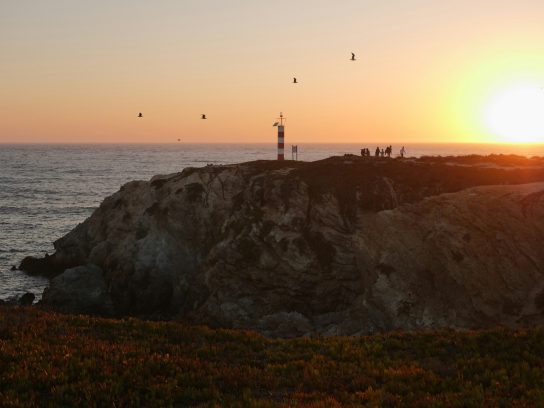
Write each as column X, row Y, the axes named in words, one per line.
column 352, row 56
column 276, row 123
column 203, row 116
column 140, row 115
column 295, row 81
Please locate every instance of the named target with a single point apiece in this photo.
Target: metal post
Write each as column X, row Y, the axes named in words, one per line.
column 294, row 152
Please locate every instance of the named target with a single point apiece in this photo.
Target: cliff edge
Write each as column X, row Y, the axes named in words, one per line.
column 346, row 245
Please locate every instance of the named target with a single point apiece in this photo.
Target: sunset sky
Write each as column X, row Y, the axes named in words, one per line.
column 426, row 71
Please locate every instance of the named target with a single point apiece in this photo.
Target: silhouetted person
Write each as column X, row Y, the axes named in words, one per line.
column 295, row 81
column 402, row 151
column 377, row 153
column 140, row 115
column 352, row 56
column 203, row 116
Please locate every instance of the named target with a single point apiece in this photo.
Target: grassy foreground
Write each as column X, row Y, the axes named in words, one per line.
column 48, row 359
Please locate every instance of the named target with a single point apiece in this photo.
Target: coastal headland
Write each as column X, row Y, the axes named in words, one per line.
column 342, row 246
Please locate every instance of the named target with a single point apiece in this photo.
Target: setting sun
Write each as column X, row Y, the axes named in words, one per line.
column 516, row 114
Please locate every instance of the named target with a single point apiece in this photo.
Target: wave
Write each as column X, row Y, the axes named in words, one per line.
column 14, row 251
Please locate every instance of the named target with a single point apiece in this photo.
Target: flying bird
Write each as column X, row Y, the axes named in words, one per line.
column 203, row 116
column 179, row 140
column 276, row 123
column 295, row 81
column 140, row 115
column 352, row 56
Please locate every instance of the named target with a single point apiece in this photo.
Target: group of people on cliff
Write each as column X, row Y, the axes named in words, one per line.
column 382, row 152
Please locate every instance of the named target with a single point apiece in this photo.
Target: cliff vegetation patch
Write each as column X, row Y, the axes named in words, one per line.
column 49, row 359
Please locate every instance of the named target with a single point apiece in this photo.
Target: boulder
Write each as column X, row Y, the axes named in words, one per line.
column 27, row 299
column 46, row 266
column 79, row 290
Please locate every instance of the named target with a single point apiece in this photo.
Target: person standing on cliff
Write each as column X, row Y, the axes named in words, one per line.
column 402, row 151
column 377, row 154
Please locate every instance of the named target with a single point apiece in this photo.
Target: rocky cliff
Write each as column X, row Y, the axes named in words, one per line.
column 346, row 245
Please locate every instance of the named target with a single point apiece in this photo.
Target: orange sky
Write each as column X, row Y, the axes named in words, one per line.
column 425, row 72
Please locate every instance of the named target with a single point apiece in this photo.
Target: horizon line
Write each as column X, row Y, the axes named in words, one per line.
column 274, row 143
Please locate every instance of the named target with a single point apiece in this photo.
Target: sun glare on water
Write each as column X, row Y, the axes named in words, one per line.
column 516, row 115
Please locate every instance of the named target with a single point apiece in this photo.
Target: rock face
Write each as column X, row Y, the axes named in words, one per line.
column 347, row 245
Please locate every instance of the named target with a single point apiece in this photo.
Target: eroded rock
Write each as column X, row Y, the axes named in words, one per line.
column 330, row 247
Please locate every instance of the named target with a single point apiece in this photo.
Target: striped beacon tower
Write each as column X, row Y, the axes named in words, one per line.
column 281, row 137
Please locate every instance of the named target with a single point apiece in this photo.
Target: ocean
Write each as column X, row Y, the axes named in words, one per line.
column 46, row 190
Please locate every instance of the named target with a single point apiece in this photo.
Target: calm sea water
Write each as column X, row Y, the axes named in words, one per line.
column 46, row 190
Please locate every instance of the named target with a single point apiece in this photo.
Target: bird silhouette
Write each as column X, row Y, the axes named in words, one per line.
column 203, row 116
column 276, row 123
column 352, row 56
column 140, row 115
column 295, row 81
column 179, row 140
